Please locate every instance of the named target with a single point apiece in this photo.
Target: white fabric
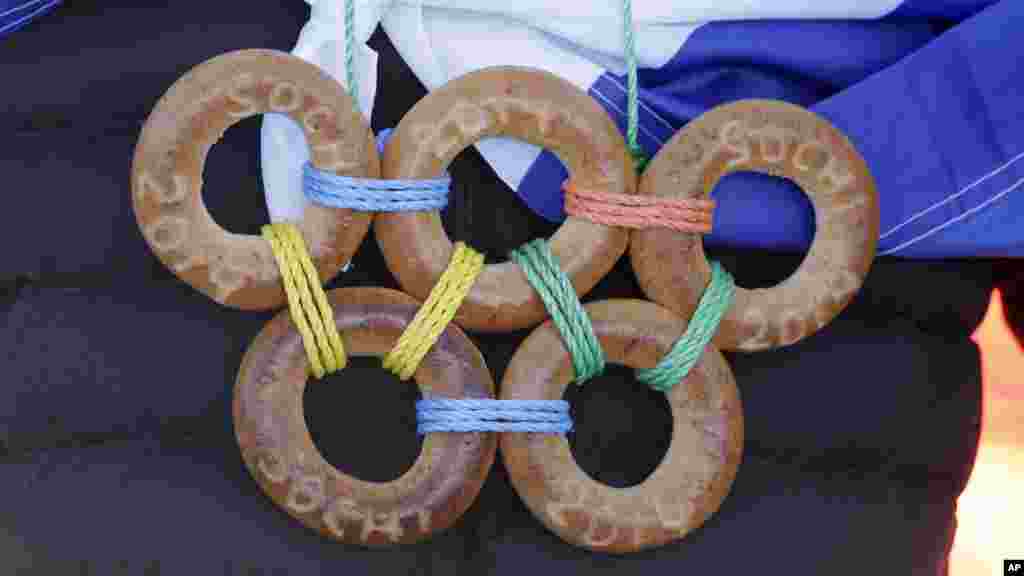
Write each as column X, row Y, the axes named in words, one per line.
column 283, row 149
column 443, row 39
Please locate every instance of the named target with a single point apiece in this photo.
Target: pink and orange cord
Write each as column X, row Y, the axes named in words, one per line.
column 692, row 215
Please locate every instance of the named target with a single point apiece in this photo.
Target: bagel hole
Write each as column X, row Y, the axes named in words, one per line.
column 486, row 213
column 233, row 180
column 363, row 420
column 621, row 428
column 743, row 193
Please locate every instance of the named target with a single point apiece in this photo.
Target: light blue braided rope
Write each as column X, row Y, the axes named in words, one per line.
column 713, row 305
column 374, row 195
column 426, row 415
column 556, row 291
column 491, row 426
column 490, row 415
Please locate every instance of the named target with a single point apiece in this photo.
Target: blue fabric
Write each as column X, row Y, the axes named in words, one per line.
column 16, row 14
column 941, row 9
column 938, row 115
column 492, row 415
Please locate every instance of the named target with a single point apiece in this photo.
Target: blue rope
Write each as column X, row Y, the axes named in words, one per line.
column 487, row 415
column 374, row 195
column 491, row 426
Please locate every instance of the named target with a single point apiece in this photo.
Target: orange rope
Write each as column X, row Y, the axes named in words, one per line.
column 632, row 211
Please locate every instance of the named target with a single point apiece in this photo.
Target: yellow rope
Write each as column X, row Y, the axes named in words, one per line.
column 310, row 310
column 435, row 314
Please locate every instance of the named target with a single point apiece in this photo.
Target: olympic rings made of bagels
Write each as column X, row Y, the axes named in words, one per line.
column 236, row 270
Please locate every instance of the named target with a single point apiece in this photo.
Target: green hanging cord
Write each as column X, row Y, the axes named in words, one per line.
column 713, row 305
column 632, row 111
column 718, row 296
column 350, row 50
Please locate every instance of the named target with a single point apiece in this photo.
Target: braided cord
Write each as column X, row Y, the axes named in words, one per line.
column 713, row 305
column 632, row 104
column 692, row 215
column 350, row 50
column 435, row 314
column 490, row 415
column 374, row 195
column 494, row 426
column 556, row 291
column 310, row 311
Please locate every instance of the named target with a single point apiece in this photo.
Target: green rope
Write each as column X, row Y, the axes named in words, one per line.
column 632, row 111
column 714, row 303
column 546, row 276
column 717, row 299
column 350, row 50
